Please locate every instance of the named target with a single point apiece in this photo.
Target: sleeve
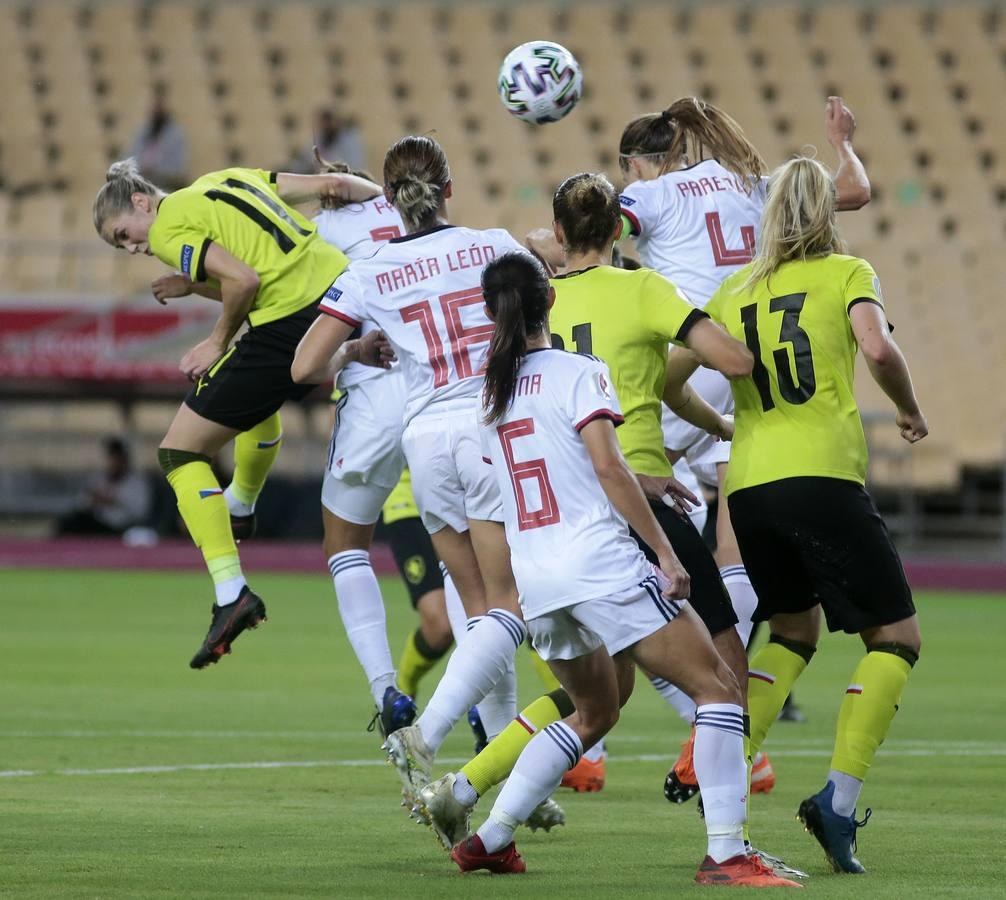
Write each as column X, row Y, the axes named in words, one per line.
column 667, row 312
column 182, row 233
column 268, row 177
column 863, row 286
column 344, row 300
column 640, row 203
column 592, row 395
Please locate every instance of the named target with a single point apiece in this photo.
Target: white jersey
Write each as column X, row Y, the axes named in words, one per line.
column 424, row 290
column 694, row 226
column 358, row 230
column 567, row 543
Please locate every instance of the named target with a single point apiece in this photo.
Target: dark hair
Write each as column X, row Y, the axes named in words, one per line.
column 415, row 175
column 337, row 167
column 620, row 261
column 587, row 208
column 690, row 124
column 516, row 290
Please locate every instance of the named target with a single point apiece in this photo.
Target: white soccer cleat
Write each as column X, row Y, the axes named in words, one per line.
column 547, row 815
column 441, row 810
column 408, row 753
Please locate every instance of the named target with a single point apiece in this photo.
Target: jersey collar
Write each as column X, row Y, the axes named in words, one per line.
column 575, row 272
column 419, row 234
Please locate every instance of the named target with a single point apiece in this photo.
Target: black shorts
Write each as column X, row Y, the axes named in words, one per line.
column 709, row 598
column 820, row 540
column 252, row 379
column 413, row 551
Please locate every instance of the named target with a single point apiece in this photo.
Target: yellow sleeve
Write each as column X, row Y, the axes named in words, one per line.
column 182, row 233
column 863, row 285
column 666, row 311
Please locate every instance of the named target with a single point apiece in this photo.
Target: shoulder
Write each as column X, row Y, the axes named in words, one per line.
column 639, row 191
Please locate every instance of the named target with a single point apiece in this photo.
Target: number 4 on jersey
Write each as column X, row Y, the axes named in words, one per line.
column 728, row 256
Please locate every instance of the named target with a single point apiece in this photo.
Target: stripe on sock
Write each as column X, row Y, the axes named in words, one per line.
column 732, row 723
column 513, row 625
column 525, row 724
column 265, row 445
column 728, row 571
column 472, row 622
column 854, row 689
column 350, row 559
column 761, row 676
column 557, row 732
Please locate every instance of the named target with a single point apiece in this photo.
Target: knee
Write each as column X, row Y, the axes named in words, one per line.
column 341, row 536
column 597, row 722
column 729, row 685
column 907, row 650
column 170, row 459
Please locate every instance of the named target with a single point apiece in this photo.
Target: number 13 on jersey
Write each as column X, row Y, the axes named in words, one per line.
column 459, row 338
column 795, row 390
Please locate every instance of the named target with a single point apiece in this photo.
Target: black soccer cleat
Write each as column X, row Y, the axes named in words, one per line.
column 227, row 623
column 243, row 527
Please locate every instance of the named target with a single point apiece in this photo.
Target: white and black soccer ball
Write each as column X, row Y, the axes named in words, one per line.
column 540, row 82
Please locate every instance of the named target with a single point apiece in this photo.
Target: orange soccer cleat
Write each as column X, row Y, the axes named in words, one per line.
column 740, row 871
column 682, row 783
column 585, row 777
column 762, row 775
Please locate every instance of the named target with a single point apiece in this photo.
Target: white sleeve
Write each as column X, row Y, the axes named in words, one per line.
column 592, row 395
column 643, row 205
column 344, row 300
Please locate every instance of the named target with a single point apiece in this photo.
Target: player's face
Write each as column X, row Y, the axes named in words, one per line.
column 130, row 231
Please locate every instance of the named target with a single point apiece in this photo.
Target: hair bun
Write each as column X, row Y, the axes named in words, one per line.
column 124, row 168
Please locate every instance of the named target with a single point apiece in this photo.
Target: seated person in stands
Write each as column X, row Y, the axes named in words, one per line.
column 116, row 499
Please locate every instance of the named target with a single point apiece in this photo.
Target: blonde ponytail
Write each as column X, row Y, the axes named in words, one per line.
column 799, row 218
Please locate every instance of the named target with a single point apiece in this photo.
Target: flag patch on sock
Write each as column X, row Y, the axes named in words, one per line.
column 210, row 492
column 854, row 689
column 265, row 445
column 761, row 676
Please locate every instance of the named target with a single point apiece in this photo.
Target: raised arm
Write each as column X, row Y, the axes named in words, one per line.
column 238, row 286
column 851, row 182
column 888, row 367
column 625, row 494
column 337, row 186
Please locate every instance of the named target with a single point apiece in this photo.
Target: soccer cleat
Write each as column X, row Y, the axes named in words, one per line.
column 397, row 711
column 682, row 783
column 546, row 815
column 408, row 753
column 586, row 777
column 470, row 855
column 478, row 730
column 440, row 809
column 762, row 775
column 741, row 870
column 835, row 833
column 243, row 527
column 776, row 864
column 227, row 622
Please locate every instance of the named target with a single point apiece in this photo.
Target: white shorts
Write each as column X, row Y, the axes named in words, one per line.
column 365, row 459
column 702, row 451
column 450, row 480
column 614, row 622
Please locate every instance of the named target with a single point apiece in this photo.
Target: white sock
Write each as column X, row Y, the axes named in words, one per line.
column 537, row 773
column 846, row 796
column 362, row 609
column 235, row 506
column 474, row 668
column 499, row 707
column 596, row 753
column 455, row 608
column 228, row 591
column 676, row 697
column 463, row 791
column 722, row 775
column 743, row 598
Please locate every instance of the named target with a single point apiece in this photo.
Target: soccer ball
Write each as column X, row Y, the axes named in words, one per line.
column 540, row 82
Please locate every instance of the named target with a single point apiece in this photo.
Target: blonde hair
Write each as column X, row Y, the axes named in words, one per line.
column 691, row 128
column 415, row 176
column 799, row 218
column 122, row 180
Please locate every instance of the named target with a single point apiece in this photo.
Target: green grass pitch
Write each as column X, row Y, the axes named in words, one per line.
column 96, row 681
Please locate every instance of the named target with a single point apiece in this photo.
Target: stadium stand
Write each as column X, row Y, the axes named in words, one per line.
column 244, row 80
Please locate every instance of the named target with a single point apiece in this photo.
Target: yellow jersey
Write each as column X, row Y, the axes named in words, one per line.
column 400, row 503
column 240, row 210
column 796, row 414
column 626, row 318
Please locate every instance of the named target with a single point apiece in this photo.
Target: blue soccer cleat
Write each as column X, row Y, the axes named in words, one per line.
column 397, row 711
column 478, row 730
column 835, row 833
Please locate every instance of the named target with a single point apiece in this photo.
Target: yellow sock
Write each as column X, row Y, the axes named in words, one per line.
column 202, row 507
column 771, row 675
column 867, row 711
column 542, row 670
column 255, row 451
column 494, row 763
column 418, row 657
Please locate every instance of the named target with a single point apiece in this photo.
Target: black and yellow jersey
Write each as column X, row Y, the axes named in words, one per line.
column 401, row 504
column 796, row 414
column 240, row 210
column 626, row 318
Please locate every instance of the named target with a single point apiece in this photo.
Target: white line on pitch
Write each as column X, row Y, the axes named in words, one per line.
column 992, row 751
